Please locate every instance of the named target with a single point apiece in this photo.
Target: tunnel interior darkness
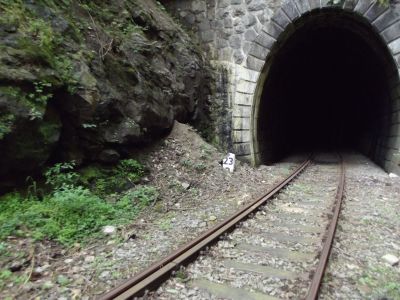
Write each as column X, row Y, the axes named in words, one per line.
column 326, row 89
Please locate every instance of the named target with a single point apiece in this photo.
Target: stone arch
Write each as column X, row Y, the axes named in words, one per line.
column 251, row 75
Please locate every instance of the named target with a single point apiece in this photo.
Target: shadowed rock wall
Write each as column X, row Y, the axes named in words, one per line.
column 86, row 80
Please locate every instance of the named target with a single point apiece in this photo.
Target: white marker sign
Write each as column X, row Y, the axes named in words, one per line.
column 229, row 162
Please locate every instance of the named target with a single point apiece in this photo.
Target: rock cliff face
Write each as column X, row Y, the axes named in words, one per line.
column 83, row 80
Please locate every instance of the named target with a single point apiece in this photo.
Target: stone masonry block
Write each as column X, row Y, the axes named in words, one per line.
column 248, row 75
column 238, row 56
column 228, row 23
column 259, row 51
column 241, row 123
column 225, row 54
column 392, row 32
column 223, row 3
column 242, row 111
column 362, row 6
column 290, row 9
column 245, row 99
column 250, row 35
column 395, row 46
column 302, row 5
column 393, row 142
column 254, row 63
column 256, row 5
column 387, row 18
column 242, row 149
column 397, row 60
column 272, row 29
column 349, row 4
column 235, row 41
column 199, row 6
column 208, row 36
column 313, row 4
column 281, row 19
column 246, row 86
column 249, row 20
column 265, row 40
column 241, row 135
column 375, row 11
column 391, row 167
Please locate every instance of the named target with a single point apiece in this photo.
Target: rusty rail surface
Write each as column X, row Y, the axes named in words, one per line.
column 326, row 250
column 156, row 274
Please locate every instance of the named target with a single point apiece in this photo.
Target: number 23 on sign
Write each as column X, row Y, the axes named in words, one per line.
column 229, row 162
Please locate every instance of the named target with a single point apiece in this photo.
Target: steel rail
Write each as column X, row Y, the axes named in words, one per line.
column 326, row 250
column 153, row 276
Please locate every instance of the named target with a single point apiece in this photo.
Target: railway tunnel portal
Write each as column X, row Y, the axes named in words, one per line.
column 301, row 75
column 326, row 86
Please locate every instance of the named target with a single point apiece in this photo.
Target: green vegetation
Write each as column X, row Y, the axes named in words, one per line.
column 181, row 275
column 35, row 101
column 105, row 181
column 165, row 223
column 40, row 44
column 6, row 276
column 76, row 207
column 382, row 281
column 6, row 122
column 197, row 166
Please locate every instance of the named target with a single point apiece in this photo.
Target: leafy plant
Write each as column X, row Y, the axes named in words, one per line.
column 200, row 167
column 61, row 175
column 33, row 192
column 70, row 214
column 130, row 168
column 41, row 95
column 71, row 211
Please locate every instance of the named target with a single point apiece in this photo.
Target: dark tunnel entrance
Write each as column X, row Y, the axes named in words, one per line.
column 327, row 88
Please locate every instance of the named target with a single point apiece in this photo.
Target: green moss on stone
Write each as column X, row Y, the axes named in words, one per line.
column 50, row 132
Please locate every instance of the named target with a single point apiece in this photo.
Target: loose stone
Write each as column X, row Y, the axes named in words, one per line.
column 391, row 259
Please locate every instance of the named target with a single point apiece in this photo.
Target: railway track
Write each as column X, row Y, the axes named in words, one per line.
column 274, row 251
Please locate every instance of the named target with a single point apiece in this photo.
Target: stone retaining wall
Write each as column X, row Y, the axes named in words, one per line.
column 241, row 35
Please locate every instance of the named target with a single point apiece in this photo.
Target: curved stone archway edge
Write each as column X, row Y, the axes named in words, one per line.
column 249, row 77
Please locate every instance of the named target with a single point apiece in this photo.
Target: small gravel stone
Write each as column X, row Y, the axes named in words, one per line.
column 89, row 259
column 109, row 230
column 39, row 270
column 185, row 185
column 105, row 275
column 391, row 259
column 212, row 218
